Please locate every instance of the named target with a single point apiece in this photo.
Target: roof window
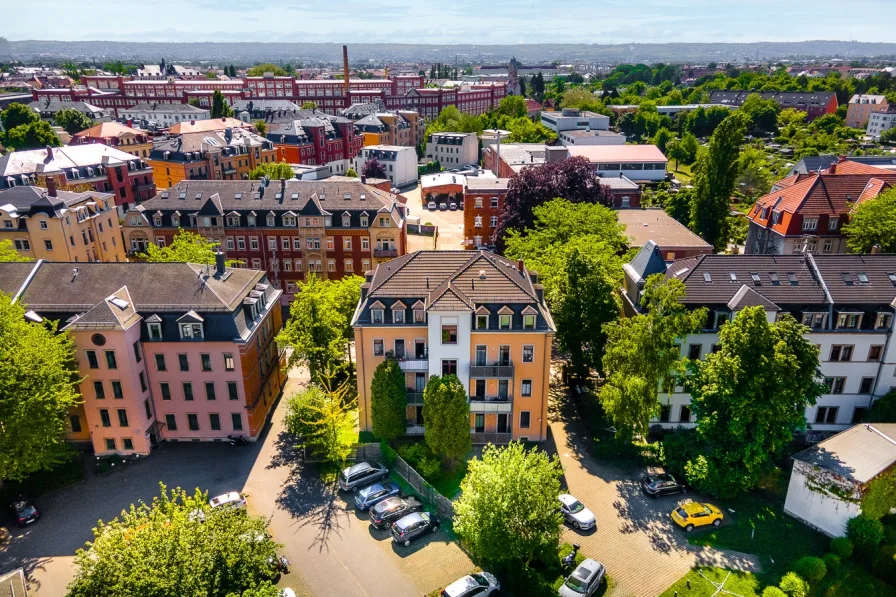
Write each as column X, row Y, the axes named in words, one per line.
column 863, row 278
column 892, row 277
column 707, row 277
column 847, row 278
column 791, row 277
column 733, row 276
column 238, row 196
column 774, row 278
column 755, row 277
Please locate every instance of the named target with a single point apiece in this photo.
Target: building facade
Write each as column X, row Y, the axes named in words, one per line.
column 571, row 119
column 399, row 163
column 163, row 114
column 882, row 120
column 860, row 108
column 639, row 163
column 131, row 141
column 453, row 149
column 483, row 205
column 166, row 351
column 813, row 103
column 315, row 138
column 475, row 315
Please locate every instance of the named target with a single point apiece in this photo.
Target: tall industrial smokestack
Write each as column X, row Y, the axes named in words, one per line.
column 345, row 71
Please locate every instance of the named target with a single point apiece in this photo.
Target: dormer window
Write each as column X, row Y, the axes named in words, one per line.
column 346, row 220
column 155, row 330
column 251, row 219
column 419, row 316
column 482, row 322
column 377, row 315
column 810, row 223
column 191, row 331
column 884, row 320
column 271, row 220
column 233, row 220
column 175, row 221
column 364, row 221
column 528, row 322
column 505, row 321
column 721, row 318
column 398, row 316
column 157, row 220
column 289, row 221
column 849, row 320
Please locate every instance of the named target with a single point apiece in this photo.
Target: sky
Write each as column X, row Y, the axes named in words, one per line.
column 449, row 21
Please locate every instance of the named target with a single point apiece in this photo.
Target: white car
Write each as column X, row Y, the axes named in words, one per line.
column 478, row 584
column 576, row 513
column 231, row 499
column 287, row 592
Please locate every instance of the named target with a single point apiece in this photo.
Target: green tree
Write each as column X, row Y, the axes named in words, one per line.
column 321, row 417
column 260, row 69
column 523, row 130
column 260, row 127
column 309, row 105
column 72, row 121
column 873, row 223
column 35, row 135
column 351, row 173
column 17, row 115
column 662, row 138
column 186, row 247
column 642, row 356
column 888, row 136
column 273, row 171
column 762, row 114
column 714, row 182
column 265, row 589
column 749, row 398
column 754, row 174
column 387, row 400
column 220, row 107
column 8, row 252
column 177, row 545
column 507, row 512
column 38, row 385
column 446, row 414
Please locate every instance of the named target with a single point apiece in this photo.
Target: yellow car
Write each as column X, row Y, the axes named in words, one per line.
column 692, row 514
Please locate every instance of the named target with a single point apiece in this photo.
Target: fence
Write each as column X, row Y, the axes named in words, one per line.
column 443, row 505
column 422, row 229
column 366, row 452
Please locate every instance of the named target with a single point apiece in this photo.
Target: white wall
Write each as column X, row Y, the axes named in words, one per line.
column 821, row 510
column 652, row 175
column 460, row 351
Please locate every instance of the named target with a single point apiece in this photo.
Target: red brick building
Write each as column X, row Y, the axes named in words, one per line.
column 315, row 138
column 483, row 203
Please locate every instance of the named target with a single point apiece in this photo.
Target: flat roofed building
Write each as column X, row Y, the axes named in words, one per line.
column 640, row 163
column 571, row 119
column 453, row 149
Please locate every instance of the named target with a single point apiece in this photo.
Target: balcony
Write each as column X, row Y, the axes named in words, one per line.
column 491, row 404
column 414, row 429
column 408, row 364
column 491, row 438
column 497, row 369
column 414, row 397
column 385, row 253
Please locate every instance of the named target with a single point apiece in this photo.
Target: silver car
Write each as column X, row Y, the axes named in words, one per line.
column 478, row 584
column 361, row 475
column 575, row 512
column 584, row 580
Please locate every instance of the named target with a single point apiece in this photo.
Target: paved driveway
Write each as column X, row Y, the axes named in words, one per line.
column 643, row 551
column 450, row 223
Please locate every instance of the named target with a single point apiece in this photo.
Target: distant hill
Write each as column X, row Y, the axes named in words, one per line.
column 320, row 53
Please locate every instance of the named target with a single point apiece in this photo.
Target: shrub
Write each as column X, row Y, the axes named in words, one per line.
column 414, row 453
column 832, row 561
column 885, row 564
column 428, row 468
column 842, row 547
column 793, row 585
column 811, row 569
column 773, row 592
column 866, row 534
column 388, row 453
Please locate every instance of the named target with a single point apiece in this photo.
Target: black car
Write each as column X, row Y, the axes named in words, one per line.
column 659, row 484
column 394, row 508
column 24, row 512
column 414, row 525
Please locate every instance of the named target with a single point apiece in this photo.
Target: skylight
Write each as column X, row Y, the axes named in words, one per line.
column 892, row 278
column 863, row 278
column 295, row 196
column 120, row 303
column 183, row 195
column 774, row 278
column 682, row 271
column 198, row 196
column 707, row 277
column 238, row 196
column 847, row 278
column 733, row 276
column 165, row 195
column 755, row 277
column 791, row 277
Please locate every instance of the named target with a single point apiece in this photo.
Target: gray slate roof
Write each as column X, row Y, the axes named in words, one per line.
column 858, row 454
column 647, row 262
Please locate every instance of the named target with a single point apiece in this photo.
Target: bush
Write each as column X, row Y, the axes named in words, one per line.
column 811, row 569
column 414, row 453
column 842, row 547
column 428, row 468
column 866, row 534
column 832, row 561
column 793, row 585
column 885, row 564
column 773, row 592
column 388, row 453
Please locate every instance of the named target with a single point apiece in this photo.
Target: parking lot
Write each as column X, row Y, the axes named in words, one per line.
column 450, row 223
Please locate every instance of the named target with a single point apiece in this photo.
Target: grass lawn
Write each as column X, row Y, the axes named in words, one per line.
column 682, row 172
column 448, row 481
column 693, row 584
column 851, row 580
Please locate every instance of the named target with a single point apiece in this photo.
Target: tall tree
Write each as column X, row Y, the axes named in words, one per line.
column 34, row 135
column 507, row 511
column 714, row 182
column 642, row 355
column 388, row 403
column 72, row 121
column 38, row 384
column 749, row 398
column 273, row 171
column 220, row 108
column 8, row 252
column 260, row 69
column 373, row 169
column 762, row 114
column 177, row 545
column 186, row 247
column 446, row 416
column 321, row 415
column 16, row 115
column 873, row 223
column 260, row 127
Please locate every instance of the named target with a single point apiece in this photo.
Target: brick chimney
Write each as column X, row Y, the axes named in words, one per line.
column 51, row 186
column 833, row 169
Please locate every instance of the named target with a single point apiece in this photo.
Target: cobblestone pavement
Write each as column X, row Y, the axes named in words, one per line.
column 643, row 551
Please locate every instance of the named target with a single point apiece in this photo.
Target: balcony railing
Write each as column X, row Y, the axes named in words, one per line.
column 385, row 252
column 491, row 438
column 411, row 364
column 499, row 369
column 414, row 429
column 491, row 404
column 414, row 397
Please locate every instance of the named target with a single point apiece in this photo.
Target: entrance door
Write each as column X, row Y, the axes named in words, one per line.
column 503, row 389
column 480, row 388
column 419, row 349
column 480, row 355
column 504, row 355
column 399, row 349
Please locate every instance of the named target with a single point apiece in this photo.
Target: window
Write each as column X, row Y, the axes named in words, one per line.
column 525, row 419
column 236, row 420
column 528, row 353
column 419, row 316
column 449, row 367
column 116, row 390
column 214, row 421
column 694, row 351
column 875, row 351
column 111, row 363
column 665, row 413
column 828, row 245
column 331, row 265
column 826, row 415
column 193, row 422
column 866, row 385
column 171, row 422
column 99, row 389
column 378, row 347
column 849, row 320
column 110, row 443
column 122, row 417
column 347, row 243
column 528, row 322
column 504, row 321
column 494, row 203
column 883, row 321
column 137, row 356
column 142, row 377
column 832, row 223
column 48, row 245
column 449, row 334
column 810, row 223
column 479, row 423
column 482, row 322
column 160, row 363
column 397, row 316
column 155, row 331
column 493, row 222
column 104, row 418
column 127, row 444
column 24, row 245
column 840, row 353
column 191, row 330
column 253, row 243
column 684, row 415
column 75, row 423
column 526, row 387
column 166, row 391
column 272, row 243
column 858, row 414
column 478, row 202
column 184, row 363
column 835, row 384
column 91, row 359
column 188, row 391
column 228, row 362
column 210, row 390
column 206, row 360
column 232, row 392
column 815, row 320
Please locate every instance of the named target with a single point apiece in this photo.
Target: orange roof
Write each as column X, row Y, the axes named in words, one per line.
column 204, row 126
column 848, row 167
column 786, row 182
column 875, row 187
column 106, row 130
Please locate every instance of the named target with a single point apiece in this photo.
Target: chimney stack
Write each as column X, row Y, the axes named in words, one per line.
column 832, row 169
column 219, row 263
column 51, row 186
column 519, row 265
column 345, row 71
column 875, row 250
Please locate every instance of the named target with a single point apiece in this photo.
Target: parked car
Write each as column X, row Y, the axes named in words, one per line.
column 658, row 484
column 478, row 584
column 443, row 206
column 374, row 494
column 584, row 580
column 575, row 512
column 431, row 206
column 391, row 509
column 231, row 499
column 452, row 206
column 361, row 475
column 414, row 525
column 287, row 592
column 694, row 514
column 24, row 512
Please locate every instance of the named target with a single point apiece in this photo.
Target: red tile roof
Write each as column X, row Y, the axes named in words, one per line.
column 875, row 187
column 107, row 130
column 849, row 167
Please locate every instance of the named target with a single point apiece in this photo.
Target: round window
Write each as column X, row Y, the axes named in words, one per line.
column 98, row 339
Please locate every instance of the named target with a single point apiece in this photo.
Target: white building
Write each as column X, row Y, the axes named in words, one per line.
column 453, row 149
column 840, row 467
column 590, row 137
column 640, row 163
column 570, row 119
column 882, row 121
column 164, row 114
column 400, row 163
column 847, row 301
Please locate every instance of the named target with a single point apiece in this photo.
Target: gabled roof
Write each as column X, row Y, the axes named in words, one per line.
column 190, row 317
column 449, row 299
column 647, row 262
column 107, row 130
column 211, row 207
column 747, row 297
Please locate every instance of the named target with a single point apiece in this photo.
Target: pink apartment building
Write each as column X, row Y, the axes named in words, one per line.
column 167, row 351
